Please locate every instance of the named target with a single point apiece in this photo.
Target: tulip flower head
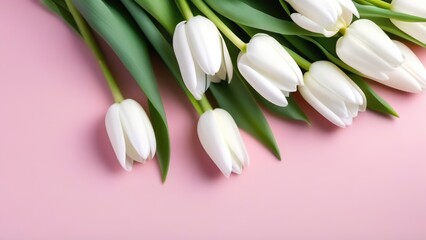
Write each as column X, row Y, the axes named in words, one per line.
column 269, row 69
column 368, row 49
column 323, row 16
column 332, row 93
column 220, row 137
column 130, row 133
column 410, row 76
column 201, row 54
column 413, row 7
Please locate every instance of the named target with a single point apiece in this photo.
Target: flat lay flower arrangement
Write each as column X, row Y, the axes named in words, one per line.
column 235, row 58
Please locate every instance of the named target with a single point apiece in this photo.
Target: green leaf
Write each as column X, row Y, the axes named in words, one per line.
column 164, row 11
column 242, row 13
column 374, row 101
column 367, row 11
column 237, row 100
column 110, row 21
column 60, row 8
column 292, row 111
column 388, row 26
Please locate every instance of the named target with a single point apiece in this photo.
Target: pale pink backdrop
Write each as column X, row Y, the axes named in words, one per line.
column 59, row 178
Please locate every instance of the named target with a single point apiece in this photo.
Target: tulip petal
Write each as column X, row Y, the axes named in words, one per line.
column 374, row 38
column 268, row 56
column 233, row 139
column 185, row 60
column 320, row 107
column 205, row 43
column 355, row 54
column 333, row 101
column 226, row 61
column 116, row 136
column 412, row 7
column 415, row 29
column 330, row 77
column 307, row 23
column 260, row 82
column 349, row 6
column 133, row 119
column 213, row 143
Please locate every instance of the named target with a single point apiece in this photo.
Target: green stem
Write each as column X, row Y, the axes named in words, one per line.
column 221, row 25
column 205, row 104
column 379, row 3
column 186, row 10
column 90, row 41
column 302, row 62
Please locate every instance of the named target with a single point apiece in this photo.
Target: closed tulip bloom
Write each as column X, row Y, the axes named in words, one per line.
column 323, row 16
column 332, row 93
column 269, row 69
column 201, row 54
column 130, row 132
column 366, row 48
column 413, row 7
column 221, row 139
column 410, row 76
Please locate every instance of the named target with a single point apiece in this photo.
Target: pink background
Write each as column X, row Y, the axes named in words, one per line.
column 59, row 178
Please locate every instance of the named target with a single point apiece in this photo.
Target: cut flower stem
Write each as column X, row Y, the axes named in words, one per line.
column 90, row 41
column 378, row 3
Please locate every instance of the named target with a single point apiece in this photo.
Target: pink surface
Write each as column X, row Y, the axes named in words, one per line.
column 59, row 178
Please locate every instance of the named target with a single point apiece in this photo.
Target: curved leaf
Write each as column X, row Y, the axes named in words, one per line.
column 111, row 23
column 242, row 13
column 374, row 101
column 367, row 11
column 164, row 11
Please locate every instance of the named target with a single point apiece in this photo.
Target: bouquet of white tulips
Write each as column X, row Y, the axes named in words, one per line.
column 243, row 54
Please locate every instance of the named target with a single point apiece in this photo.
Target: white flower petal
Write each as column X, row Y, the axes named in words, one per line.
column 133, row 119
column 116, row 136
column 213, row 143
column 205, row 43
column 185, row 59
column 349, row 5
column 307, row 23
column 268, row 56
column 261, row 83
column 231, row 134
column 320, row 107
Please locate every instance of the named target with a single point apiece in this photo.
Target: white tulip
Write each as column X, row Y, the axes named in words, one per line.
column 413, row 7
column 368, row 49
column 269, row 69
column 410, row 76
column 332, row 93
column 323, row 16
column 201, row 54
column 220, row 137
column 130, row 133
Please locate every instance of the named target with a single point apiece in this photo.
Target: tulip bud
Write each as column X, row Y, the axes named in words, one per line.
column 368, row 49
column 130, row 133
column 410, row 76
column 269, row 69
column 220, row 137
column 413, row 7
column 201, row 54
column 326, row 16
column 332, row 93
